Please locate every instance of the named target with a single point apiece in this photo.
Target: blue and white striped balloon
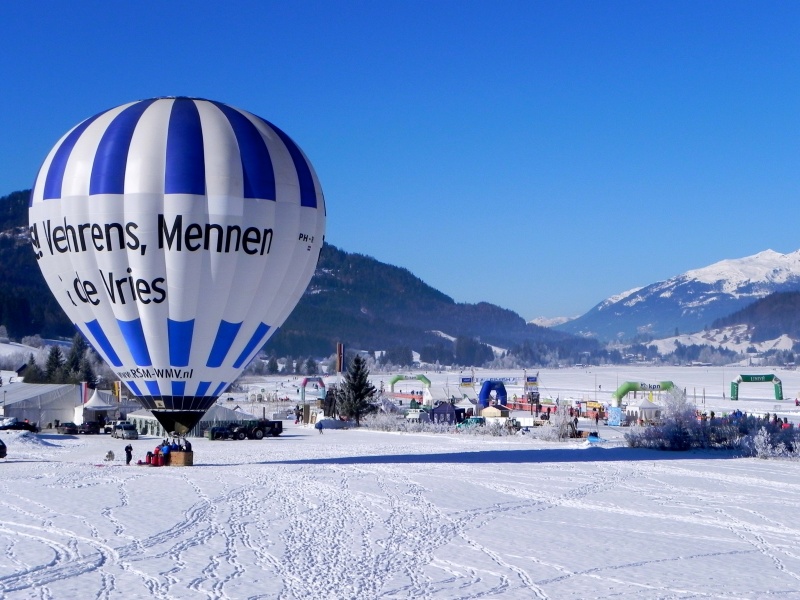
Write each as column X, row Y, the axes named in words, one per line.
column 177, row 234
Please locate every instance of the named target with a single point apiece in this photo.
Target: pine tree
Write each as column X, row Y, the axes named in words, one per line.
column 86, row 373
column 53, row 368
column 76, row 354
column 356, row 393
column 311, row 366
column 33, row 372
column 272, row 365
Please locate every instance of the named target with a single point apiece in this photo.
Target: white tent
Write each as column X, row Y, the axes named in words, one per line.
column 644, row 411
column 437, row 393
column 41, row 403
column 467, row 392
column 101, row 404
column 147, row 424
column 468, row 405
column 101, row 401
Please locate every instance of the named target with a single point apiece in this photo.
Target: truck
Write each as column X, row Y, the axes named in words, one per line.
column 251, row 430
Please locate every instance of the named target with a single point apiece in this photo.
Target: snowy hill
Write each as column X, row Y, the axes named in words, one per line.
column 691, row 301
column 737, row 338
column 550, row 321
column 13, row 348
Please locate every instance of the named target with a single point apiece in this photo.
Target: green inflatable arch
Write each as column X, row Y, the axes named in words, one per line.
column 397, row 378
column 756, row 379
column 640, row 386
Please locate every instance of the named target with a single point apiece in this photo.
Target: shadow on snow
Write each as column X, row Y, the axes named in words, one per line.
column 526, row 456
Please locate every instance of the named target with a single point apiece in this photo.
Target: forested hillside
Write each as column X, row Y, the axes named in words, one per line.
column 379, row 306
column 769, row 318
column 26, row 305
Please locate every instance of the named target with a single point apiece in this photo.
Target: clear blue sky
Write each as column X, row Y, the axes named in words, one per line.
column 537, row 155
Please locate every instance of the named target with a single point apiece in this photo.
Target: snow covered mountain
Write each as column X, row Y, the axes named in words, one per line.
column 550, row 321
column 689, row 302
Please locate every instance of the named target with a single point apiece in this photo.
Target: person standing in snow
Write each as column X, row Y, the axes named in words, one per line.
column 319, row 426
column 128, row 454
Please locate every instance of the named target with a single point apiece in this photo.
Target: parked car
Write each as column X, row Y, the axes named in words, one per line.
column 67, row 428
column 125, row 431
column 110, row 425
column 3, row 449
column 19, row 426
column 90, row 427
column 471, row 422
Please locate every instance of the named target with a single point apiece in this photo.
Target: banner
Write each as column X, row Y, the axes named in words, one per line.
column 615, row 416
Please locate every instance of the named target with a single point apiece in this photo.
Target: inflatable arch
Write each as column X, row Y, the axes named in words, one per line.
column 306, row 381
column 492, row 386
column 756, row 379
column 639, row 386
column 397, row 378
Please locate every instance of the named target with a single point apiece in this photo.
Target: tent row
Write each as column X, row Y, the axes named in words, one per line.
column 47, row 405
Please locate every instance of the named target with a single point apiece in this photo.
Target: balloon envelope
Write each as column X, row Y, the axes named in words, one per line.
column 177, row 234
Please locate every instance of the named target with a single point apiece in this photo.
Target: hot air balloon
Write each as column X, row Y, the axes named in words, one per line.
column 177, row 234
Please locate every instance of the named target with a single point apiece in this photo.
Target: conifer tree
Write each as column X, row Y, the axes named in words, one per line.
column 356, row 393
column 33, row 372
column 76, row 354
column 86, row 373
column 55, row 360
column 311, row 366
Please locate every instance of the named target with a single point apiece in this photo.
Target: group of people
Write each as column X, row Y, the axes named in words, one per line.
column 164, row 448
column 737, row 416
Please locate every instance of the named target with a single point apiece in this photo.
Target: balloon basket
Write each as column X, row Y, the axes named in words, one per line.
column 181, row 459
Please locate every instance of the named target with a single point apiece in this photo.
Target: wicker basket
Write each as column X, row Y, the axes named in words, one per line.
column 181, row 459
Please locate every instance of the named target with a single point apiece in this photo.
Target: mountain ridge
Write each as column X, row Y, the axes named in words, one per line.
column 690, row 301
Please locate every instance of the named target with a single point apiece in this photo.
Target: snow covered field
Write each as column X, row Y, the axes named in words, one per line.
column 360, row 514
